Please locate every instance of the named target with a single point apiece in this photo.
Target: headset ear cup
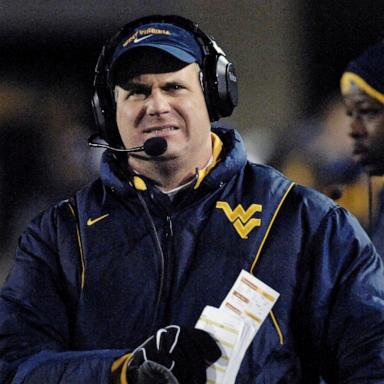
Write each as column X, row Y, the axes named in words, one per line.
column 227, row 90
column 98, row 114
column 220, row 86
column 232, row 87
column 104, row 114
column 209, row 87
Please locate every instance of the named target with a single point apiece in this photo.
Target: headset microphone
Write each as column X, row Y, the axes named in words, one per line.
column 155, row 146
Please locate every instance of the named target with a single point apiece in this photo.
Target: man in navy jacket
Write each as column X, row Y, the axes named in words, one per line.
column 362, row 87
column 167, row 229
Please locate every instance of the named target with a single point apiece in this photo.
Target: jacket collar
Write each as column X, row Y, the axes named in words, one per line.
column 229, row 159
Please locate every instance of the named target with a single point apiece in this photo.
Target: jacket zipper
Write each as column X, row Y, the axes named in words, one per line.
column 160, row 304
column 170, row 228
column 79, row 242
column 161, row 255
column 167, row 269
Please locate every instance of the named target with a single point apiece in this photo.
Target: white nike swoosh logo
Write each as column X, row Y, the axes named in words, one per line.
column 138, row 39
column 158, row 337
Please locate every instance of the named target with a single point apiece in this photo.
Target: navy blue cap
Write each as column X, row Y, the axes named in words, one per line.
column 170, row 38
column 367, row 71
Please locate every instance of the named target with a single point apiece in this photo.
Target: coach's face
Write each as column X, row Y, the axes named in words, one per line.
column 169, row 105
column 366, row 129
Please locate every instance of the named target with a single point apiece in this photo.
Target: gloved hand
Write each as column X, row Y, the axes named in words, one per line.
column 174, row 355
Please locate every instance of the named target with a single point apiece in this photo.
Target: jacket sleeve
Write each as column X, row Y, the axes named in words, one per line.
column 345, row 290
column 37, row 316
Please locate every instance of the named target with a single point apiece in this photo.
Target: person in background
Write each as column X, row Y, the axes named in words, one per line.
column 362, row 87
column 319, row 155
column 108, row 285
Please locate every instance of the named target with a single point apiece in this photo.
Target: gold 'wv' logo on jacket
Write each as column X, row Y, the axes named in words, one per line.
column 242, row 219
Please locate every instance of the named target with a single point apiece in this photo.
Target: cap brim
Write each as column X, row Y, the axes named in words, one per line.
column 174, row 51
column 178, row 53
column 146, row 59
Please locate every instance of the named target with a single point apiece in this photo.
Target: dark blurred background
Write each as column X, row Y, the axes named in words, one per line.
column 289, row 56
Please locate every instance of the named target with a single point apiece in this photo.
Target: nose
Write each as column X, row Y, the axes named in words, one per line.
column 157, row 103
column 358, row 129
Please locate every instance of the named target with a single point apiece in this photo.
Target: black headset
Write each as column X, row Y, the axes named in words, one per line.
column 218, row 76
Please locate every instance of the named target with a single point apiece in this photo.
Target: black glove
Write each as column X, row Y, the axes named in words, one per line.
column 150, row 373
column 179, row 354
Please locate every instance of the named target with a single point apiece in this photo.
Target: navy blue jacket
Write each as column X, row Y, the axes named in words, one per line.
column 95, row 275
column 378, row 229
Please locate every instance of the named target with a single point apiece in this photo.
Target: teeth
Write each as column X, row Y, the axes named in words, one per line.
column 160, row 130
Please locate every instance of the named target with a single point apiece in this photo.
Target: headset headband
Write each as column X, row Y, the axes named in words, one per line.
column 219, row 78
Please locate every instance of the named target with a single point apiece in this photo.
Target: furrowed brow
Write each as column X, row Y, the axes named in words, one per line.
column 134, row 86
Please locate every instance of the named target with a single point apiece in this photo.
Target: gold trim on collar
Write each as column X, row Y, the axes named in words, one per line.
column 217, row 146
column 139, row 183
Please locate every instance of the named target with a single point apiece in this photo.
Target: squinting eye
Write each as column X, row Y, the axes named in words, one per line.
column 137, row 94
column 173, row 87
column 370, row 111
column 364, row 112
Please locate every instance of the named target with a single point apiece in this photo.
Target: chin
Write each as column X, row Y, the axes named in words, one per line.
column 174, row 150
